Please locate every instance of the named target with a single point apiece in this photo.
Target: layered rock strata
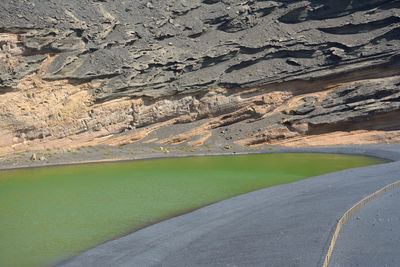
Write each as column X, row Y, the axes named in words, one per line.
column 111, row 72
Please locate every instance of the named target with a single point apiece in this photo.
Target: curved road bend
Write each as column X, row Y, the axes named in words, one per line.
column 285, row 225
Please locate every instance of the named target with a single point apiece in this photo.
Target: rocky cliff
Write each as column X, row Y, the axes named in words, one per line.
column 274, row 72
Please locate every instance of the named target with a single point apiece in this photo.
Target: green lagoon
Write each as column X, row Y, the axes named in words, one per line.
column 49, row 214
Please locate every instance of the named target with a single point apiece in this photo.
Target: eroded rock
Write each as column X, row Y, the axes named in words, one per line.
column 33, row 157
column 73, row 72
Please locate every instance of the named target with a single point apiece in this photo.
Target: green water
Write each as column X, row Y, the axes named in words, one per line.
column 49, row 214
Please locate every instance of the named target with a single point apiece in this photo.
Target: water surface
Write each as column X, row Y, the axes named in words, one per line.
column 49, row 214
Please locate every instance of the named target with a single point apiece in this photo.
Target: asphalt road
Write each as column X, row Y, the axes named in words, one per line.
column 285, row 225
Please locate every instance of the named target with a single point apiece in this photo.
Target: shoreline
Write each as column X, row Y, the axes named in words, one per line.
column 356, row 150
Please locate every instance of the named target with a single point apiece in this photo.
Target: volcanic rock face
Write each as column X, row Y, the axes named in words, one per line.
column 78, row 72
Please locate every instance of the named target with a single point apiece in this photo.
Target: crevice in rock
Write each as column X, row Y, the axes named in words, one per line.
column 6, row 90
column 280, row 54
column 330, row 9
column 211, row 61
column 361, row 28
column 393, row 34
column 386, row 121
